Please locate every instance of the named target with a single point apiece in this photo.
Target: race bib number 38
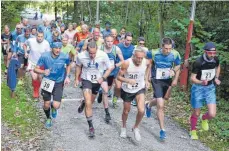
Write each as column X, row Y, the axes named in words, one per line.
column 163, row 73
column 207, row 74
column 47, row 85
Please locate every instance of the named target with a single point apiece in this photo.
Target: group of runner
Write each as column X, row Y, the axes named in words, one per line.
column 103, row 59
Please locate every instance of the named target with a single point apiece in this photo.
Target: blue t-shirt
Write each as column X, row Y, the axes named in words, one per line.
column 163, row 61
column 127, row 52
column 106, row 32
column 20, row 41
column 13, row 38
column 57, row 65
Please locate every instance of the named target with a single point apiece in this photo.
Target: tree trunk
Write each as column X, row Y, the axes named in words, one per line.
column 75, row 16
column 97, row 11
column 160, row 20
column 82, row 11
column 55, row 9
column 127, row 5
column 89, row 10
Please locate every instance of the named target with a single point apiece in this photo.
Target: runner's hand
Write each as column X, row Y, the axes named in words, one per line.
column 131, row 82
column 76, row 83
column 46, row 72
column 204, row 82
column 217, row 81
column 174, row 83
column 66, row 81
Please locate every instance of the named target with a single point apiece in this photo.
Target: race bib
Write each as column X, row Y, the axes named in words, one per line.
column 13, row 42
column 207, row 74
column 163, row 73
column 4, row 46
column 93, row 76
column 112, row 61
column 47, row 85
column 135, row 86
column 22, row 44
column 31, row 65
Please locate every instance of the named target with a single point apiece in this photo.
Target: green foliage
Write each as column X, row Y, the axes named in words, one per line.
column 20, row 113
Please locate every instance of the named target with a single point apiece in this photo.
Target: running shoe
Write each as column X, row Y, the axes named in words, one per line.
column 204, row 124
column 114, row 101
column 137, row 135
column 107, row 117
column 54, row 113
column 123, row 133
column 193, row 135
column 134, row 103
column 48, row 123
column 81, row 107
column 148, row 110
column 162, row 135
column 91, row 132
column 100, row 97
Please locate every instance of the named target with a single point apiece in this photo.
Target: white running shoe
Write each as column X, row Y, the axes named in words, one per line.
column 123, row 133
column 137, row 135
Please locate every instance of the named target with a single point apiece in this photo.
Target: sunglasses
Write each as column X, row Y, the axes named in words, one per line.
column 210, row 52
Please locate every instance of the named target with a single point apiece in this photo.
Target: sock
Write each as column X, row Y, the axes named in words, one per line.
column 193, row 121
column 107, row 111
column 206, row 116
column 47, row 113
column 89, row 120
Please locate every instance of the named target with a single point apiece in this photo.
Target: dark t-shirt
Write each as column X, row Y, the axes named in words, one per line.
column 4, row 37
column 201, row 64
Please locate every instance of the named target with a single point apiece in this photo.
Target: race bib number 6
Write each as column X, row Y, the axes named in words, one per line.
column 207, row 74
column 47, row 85
column 163, row 73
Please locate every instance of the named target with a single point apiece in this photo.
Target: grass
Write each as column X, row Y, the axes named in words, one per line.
column 20, row 113
column 217, row 138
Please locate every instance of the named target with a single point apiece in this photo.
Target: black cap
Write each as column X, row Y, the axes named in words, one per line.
column 208, row 46
column 141, row 39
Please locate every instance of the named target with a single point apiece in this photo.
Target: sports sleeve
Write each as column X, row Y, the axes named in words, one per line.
column 196, row 67
column 149, row 55
column 217, row 61
column 177, row 59
column 67, row 60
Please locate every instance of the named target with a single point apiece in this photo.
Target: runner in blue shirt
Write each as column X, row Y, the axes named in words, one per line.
column 18, row 51
column 165, row 64
column 127, row 51
column 56, row 75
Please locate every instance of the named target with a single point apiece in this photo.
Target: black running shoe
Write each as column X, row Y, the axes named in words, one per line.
column 100, row 97
column 91, row 132
column 81, row 107
column 107, row 117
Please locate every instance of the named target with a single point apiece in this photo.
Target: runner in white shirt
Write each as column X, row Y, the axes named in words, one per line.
column 134, row 74
column 92, row 62
column 37, row 46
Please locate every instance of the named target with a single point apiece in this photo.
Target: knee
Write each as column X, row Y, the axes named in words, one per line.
column 47, row 105
column 56, row 106
column 160, row 107
column 212, row 114
column 141, row 111
column 126, row 111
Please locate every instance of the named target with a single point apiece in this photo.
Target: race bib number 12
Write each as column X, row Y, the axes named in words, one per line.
column 47, row 85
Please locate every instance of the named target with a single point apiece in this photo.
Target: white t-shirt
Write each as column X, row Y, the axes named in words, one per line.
column 36, row 49
column 92, row 70
column 137, row 73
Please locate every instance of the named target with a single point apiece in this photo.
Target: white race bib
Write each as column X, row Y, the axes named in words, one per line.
column 93, row 76
column 13, row 42
column 112, row 61
column 207, row 74
column 31, row 65
column 22, row 44
column 47, row 85
column 163, row 73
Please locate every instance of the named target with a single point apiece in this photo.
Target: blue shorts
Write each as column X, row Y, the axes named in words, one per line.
column 116, row 71
column 202, row 94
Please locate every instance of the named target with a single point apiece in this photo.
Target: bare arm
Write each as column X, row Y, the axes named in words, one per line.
column 122, row 71
column 217, row 71
column 194, row 79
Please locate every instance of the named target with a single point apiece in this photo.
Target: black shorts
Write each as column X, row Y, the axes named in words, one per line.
column 110, row 80
column 21, row 58
column 129, row 97
column 160, row 87
column 94, row 87
column 4, row 51
column 57, row 92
